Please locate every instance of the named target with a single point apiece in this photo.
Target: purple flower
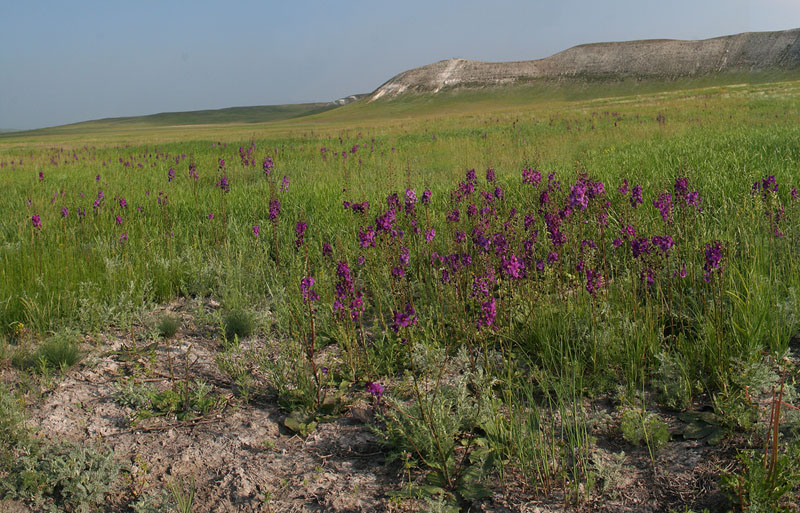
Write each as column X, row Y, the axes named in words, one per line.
column 513, row 267
column 36, row 221
column 426, row 197
column 123, row 237
column 285, row 184
column 221, row 163
column 223, row 182
column 713, row 263
column 97, row 178
column 531, row 176
column 170, row 174
column 268, row 165
column 629, row 232
column 664, row 206
column 489, row 314
column 256, row 230
column 405, row 318
column 327, row 249
column 794, row 193
column 119, row 219
column 309, row 295
column 664, row 243
column 367, row 238
column 274, row 210
column 210, row 216
column 482, row 285
column 640, row 246
column 300, row 230
column 636, row 196
column 398, row 272
column 64, row 212
column 41, row 175
column 356, row 307
column 594, row 280
column 577, row 196
column 623, row 189
column 681, row 186
column 405, row 256
column 490, row 175
column 429, row 235
column 123, row 203
column 647, row 277
column 411, row 198
column 375, row 389
column 552, row 258
column 361, row 260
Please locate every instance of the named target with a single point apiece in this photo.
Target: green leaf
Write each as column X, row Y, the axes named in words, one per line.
column 474, row 492
column 299, row 422
column 471, row 474
column 436, row 478
column 697, row 430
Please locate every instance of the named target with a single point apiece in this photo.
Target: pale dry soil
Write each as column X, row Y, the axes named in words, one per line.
column 241, row 458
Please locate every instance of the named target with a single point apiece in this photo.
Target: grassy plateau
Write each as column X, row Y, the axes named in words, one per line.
column 521, row 286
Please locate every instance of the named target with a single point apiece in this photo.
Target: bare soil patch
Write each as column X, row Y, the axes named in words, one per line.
column 239, row 457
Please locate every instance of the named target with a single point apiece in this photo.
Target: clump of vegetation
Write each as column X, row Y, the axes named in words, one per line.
column 239, row 323
column 168, row 326
column 59, row 352
column 644, row 428
column 56, row 475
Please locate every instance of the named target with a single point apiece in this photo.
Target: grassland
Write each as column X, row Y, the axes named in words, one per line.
column 509, row 344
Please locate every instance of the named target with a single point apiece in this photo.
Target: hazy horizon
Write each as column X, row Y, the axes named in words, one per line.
column 69, row 63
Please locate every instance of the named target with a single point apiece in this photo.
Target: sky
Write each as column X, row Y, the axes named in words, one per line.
column 64, row 62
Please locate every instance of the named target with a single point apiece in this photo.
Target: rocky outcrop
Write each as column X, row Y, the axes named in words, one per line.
column 647, row 59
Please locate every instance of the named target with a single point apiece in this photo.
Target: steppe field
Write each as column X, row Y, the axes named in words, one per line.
column 498, row 301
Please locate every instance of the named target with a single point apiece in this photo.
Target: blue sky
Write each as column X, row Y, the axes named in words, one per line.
column 63, row 62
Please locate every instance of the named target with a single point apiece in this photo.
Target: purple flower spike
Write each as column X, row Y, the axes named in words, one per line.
column 713, row 263
column 531, row 176
column 375, row 389
column 256, row 230
column 309, row 295
column 636, row 196
column 404, row 319
column 430, row 235
column 274, row 210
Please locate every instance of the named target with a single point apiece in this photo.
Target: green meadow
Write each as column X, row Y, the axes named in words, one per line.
column 483, row 324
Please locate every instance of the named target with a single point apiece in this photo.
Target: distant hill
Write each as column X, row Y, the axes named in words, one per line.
column 656, row 59
column 230, row 115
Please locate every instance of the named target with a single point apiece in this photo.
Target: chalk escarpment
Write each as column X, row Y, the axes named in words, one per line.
column 646, row 59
